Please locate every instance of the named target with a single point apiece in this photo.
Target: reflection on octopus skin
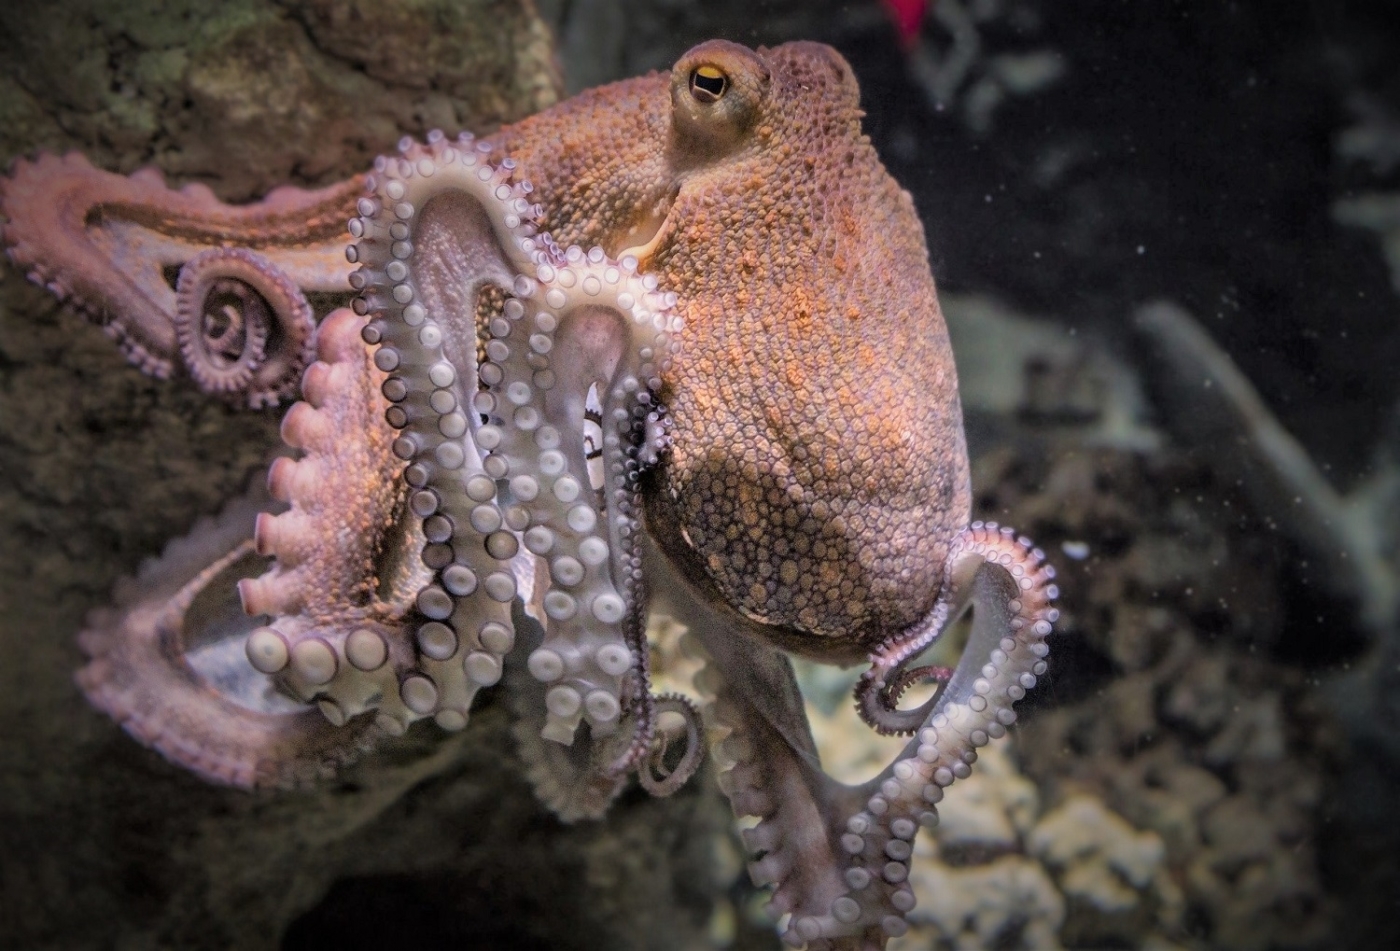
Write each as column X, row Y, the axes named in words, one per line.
column 707, row 280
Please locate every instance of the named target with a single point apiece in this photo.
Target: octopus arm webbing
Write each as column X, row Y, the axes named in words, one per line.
column 166, row 662
column 495, row 452
column 104, row 242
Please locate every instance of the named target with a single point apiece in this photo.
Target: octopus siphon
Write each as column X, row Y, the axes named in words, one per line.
column 670, row 346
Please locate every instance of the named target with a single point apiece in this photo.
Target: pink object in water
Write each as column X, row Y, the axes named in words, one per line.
column 908, row 16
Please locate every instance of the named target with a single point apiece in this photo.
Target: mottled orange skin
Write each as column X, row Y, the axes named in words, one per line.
column 818, row 469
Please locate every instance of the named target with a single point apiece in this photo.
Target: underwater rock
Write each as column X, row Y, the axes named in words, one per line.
column 1099, row 858
column 1008, row 903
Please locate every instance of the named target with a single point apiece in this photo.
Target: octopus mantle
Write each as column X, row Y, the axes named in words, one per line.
column 485, row 486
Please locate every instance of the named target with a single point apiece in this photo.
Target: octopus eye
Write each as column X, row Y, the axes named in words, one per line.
column 717, row 94
column 708, row 84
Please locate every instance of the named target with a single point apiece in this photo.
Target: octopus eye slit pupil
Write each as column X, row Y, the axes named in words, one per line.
column 708, row 84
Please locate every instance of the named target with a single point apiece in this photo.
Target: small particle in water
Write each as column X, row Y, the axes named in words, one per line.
column 1076, row 550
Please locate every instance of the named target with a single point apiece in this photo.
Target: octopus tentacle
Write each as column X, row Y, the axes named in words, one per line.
column 612, row 328
column 650, row 440
column 769, row 769
column 573, row 781
column 883, row 701
column 837, row 855
column 104, row 242
column 881, row 686
column 456, row 246
column 791, row 846
column 672, row 714
column 495, row 467
column 1009, row 585
column 245, row 330
column 222, row 327
column 347, row 562
column 166, row 662
column 638, row 701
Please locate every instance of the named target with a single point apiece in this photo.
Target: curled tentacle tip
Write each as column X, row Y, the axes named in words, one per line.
column 243, row 326
column 676, row 719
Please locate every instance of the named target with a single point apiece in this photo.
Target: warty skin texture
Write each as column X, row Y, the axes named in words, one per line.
column 817, row 470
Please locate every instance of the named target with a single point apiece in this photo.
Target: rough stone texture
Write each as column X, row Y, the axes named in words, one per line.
column 250, row 94
column 103, row 844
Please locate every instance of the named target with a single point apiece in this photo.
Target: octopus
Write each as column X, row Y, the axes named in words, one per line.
column 672, row 346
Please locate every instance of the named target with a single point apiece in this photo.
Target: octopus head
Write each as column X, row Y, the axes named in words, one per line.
column 817, row 470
